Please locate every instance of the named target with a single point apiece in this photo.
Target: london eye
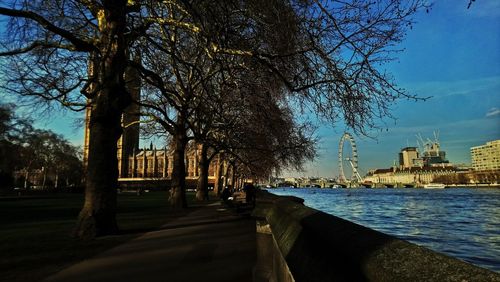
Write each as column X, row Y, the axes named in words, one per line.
column 348, row 159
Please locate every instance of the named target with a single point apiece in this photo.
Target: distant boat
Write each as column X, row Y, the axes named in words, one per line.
column 434, row 186
column 367, row 184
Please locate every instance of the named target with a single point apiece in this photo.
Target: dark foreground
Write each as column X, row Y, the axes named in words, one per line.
column 210, row 243
column 35, row 240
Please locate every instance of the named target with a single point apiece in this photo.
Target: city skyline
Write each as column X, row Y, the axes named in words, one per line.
column 451, row 54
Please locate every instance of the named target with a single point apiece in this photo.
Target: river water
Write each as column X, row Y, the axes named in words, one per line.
column 461, row 222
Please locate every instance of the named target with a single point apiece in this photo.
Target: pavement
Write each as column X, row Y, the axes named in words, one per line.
column 211, row 243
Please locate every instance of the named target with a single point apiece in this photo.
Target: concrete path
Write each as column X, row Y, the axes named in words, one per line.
column 208, row 244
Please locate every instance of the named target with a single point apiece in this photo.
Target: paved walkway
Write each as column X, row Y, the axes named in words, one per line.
column 208, row 244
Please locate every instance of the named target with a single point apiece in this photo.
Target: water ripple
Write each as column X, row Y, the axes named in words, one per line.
column 463, row 223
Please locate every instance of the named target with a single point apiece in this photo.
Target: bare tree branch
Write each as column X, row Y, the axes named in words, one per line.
column 37, row 44
column 79, row 44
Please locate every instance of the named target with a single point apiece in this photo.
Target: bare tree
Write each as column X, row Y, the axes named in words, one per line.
column 13, row 131
column 169, row 89
column 49, row 49
column 325, row 54
column 266, row 136
column 320, row 55
column 183, row 70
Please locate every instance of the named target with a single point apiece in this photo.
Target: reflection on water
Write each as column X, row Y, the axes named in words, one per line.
column 460, row 222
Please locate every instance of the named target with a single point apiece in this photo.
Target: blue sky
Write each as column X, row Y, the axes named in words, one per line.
column 452, row 54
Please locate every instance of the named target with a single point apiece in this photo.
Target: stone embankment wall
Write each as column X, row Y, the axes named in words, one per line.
column 298, row 243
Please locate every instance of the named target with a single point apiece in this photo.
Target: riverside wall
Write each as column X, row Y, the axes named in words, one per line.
column 298, row 243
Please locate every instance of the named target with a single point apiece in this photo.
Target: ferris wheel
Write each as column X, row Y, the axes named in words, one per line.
column 348, row 159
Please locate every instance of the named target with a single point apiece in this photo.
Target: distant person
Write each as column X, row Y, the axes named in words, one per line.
column 205, row 195
column 250, row 192
column 226, row 193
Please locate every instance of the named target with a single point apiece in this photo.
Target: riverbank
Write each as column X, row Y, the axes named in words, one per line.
column 311, row 245
column 284, row 239
column 459, row 222
column 391, row 185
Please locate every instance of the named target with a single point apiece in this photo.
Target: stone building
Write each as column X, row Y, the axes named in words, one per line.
column 155, row 163
column 130, row 123
column 414, row 176
column 149, row 164
column 415, row 169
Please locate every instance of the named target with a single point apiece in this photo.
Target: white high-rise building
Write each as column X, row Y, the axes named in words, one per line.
column 486, row 157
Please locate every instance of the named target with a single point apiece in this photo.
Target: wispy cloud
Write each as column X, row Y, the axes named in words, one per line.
column 441, row 89
column 493, row 112
column 452, row 126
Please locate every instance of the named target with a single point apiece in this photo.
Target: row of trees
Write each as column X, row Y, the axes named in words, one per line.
column 231, row 75
column 25, row 149
column 480, row 177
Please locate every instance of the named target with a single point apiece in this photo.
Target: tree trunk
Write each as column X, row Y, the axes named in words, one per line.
column 233, row 177
column 202, row 187
column 56, row 181
column 218, row 175
column 26, row 179
column 44, row 178
column 178, row 181
column 98, row 215
column 225, row 183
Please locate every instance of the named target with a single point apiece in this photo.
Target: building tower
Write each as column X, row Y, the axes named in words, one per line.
column 130, row 124
column 408, row 157
column 129, row 141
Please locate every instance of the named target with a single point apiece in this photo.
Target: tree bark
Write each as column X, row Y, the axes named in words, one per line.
column 225, row 183
column 218, row 175
column 98, row 215
column 178, row 181
column 26, row 179
column 203, row 165
column 233, row 177
column 44, row 177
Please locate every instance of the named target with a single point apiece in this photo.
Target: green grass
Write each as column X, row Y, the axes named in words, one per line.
column 35, row 236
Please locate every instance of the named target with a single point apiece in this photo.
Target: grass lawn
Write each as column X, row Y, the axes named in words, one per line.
column 35, row 233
